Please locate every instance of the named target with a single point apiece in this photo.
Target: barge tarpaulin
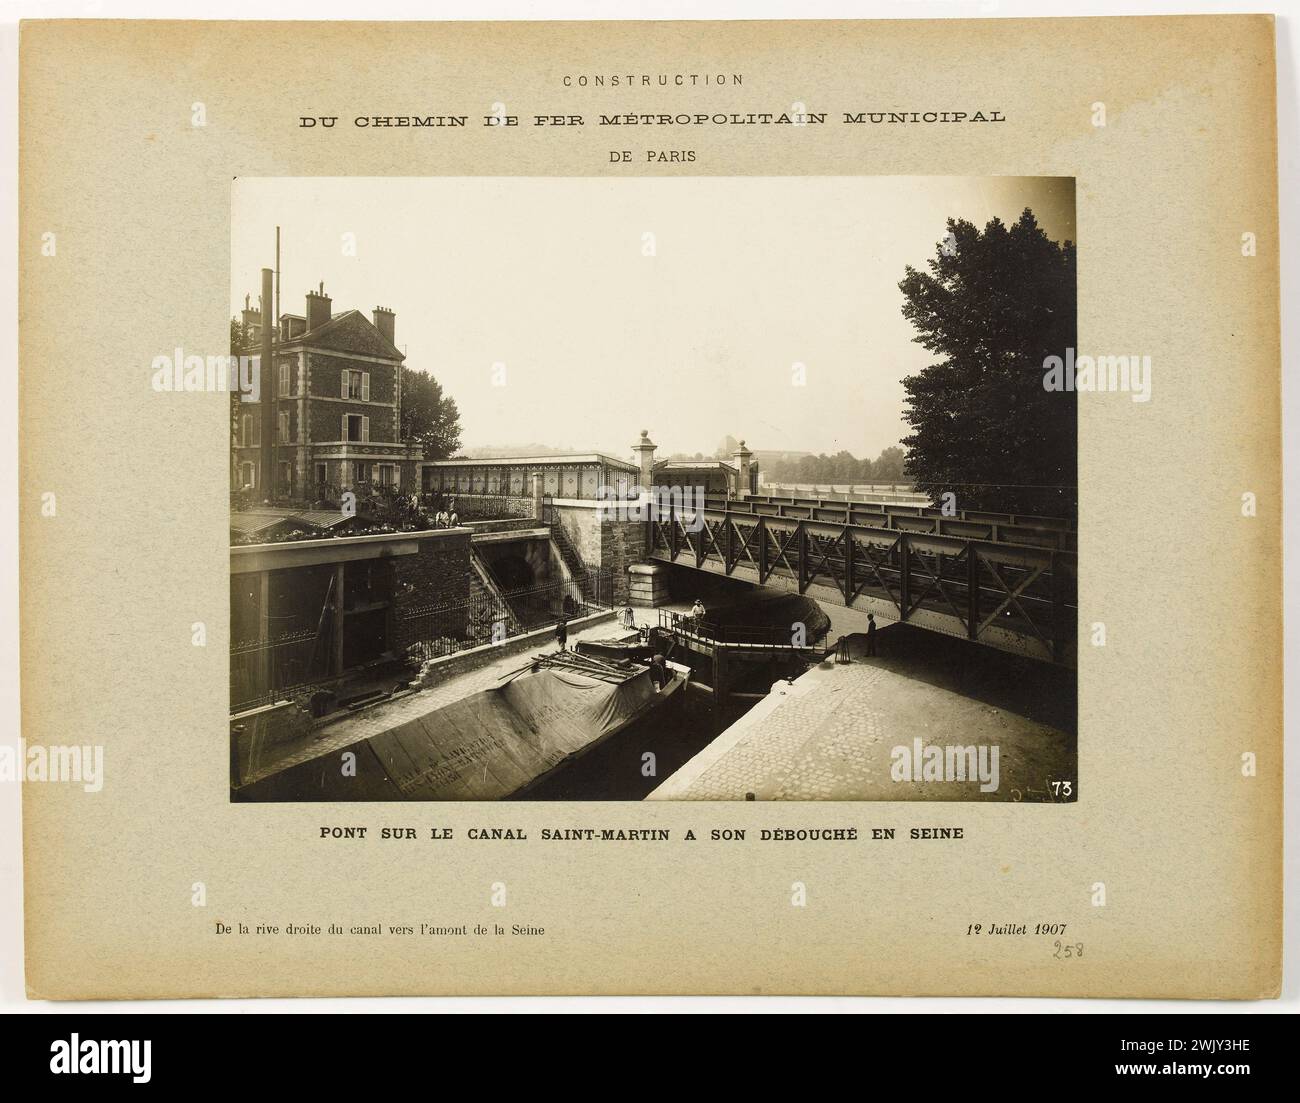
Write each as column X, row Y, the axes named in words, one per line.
column 485, row 747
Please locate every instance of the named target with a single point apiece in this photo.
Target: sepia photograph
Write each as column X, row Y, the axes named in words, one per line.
column 550, row 513
column 718, row 489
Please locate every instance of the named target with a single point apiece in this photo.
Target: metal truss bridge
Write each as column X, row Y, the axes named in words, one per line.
column 1004, row 581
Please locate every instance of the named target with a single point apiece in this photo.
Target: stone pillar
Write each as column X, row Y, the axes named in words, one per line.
column 537, row 495
column 645, row 456
column 647, row 585
column 742, row 456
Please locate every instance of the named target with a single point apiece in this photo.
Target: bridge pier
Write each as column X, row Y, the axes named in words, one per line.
column 647, row 585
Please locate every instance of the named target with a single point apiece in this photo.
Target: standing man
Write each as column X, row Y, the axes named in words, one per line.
column 562, row 634
column 697, row 613
column 871, row 633
column 629, row 618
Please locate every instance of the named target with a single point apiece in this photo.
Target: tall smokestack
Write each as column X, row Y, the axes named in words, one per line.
column 266, row 393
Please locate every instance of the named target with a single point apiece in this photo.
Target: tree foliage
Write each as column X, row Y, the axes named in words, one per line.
column 429, row 415
column 993, row 305
column 842, row 467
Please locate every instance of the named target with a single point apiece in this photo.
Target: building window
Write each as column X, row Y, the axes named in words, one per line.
column 386, row 474
column 284, row 426
column 285, row 371
column 246, row 430
column 360, row 473
column 286, row 476
column 356, row 427
column 247, row 476
column 356, row 385
column 321, row 475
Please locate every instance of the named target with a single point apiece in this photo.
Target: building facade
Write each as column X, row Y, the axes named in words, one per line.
column 716, row 478
column 336, row 384
column 584, row 475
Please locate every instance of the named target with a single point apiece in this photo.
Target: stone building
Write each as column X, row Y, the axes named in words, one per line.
column 337, row 388
column 737, row 478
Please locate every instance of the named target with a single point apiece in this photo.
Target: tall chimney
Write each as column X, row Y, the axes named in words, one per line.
column 318, row 308
column 385, row 322
column 645, row 456
column 266, row 396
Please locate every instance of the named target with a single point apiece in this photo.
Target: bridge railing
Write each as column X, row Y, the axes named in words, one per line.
column 713, row 632
column 1045, row 532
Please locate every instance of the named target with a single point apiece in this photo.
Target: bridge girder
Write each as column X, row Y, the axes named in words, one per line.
column 1008, row 596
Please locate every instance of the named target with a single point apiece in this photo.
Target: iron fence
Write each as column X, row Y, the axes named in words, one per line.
column 478, row 507
column 265, row 671
column 429, row 632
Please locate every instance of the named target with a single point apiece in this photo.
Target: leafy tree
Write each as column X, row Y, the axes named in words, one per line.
column 428, row 415
column 993, row 305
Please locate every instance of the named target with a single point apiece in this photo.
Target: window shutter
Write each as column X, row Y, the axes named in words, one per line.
column 344, row 434
column 344, row 377
column 365, row 386
column 365, row 428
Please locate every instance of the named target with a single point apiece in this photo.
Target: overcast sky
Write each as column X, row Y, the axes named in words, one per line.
column 547, row 276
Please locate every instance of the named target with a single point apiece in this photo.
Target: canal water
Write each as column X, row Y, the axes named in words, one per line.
column 619, row 769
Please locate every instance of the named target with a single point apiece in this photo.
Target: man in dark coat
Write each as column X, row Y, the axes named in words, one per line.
column 659, row 672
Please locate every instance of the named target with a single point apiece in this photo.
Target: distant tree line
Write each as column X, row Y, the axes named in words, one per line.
column 842, row 467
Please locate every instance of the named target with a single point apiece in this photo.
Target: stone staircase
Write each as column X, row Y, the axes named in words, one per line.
column 484, row 591
column 572, row 560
